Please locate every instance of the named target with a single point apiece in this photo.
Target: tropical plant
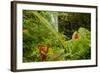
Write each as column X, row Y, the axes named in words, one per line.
column 40, row 27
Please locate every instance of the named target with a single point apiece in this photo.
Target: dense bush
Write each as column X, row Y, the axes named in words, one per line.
column 79, row 48
column 39, row 28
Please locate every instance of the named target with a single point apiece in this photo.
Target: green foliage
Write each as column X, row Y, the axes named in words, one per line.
column 38, row 28
column 38, row 31
column 79, row 48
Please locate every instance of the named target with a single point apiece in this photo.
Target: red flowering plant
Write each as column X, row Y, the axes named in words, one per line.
column 43, row 49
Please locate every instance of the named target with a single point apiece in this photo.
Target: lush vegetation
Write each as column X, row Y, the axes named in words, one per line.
column 54, row 31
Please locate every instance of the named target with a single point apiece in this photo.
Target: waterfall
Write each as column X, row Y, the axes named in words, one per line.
column 54, row 20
